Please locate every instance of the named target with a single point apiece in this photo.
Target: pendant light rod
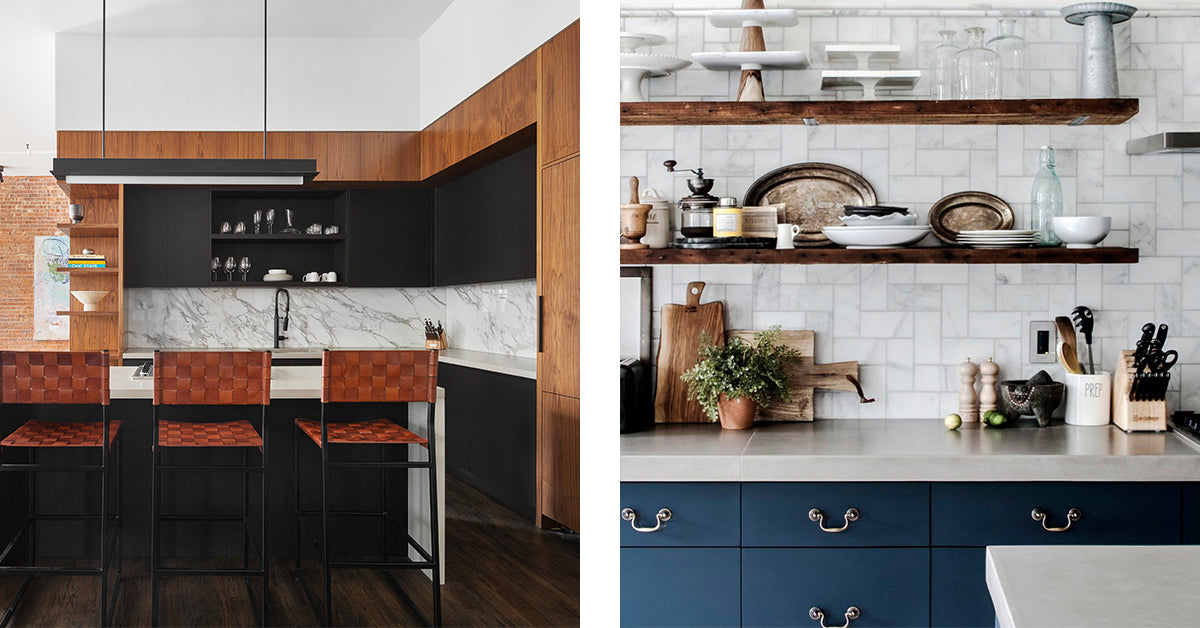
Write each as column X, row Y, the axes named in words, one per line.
column 103, row 73
column 264, row 79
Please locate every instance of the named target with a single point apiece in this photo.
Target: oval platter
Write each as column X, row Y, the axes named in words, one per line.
column 968, row 211
column 814, row 194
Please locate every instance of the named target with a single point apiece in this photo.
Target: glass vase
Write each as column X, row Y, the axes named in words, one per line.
column 1046, row 200
column 1010, row 49
column 942, row 74
column 976, row 74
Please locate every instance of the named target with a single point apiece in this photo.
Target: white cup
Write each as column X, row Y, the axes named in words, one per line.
column 329, row 277
column 313, row 276
column 785, row 233
column 1089, row 399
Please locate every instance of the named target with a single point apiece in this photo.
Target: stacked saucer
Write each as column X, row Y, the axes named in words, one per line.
column 998, row 238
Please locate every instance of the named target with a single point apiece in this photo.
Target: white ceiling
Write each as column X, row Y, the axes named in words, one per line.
column 28, row 27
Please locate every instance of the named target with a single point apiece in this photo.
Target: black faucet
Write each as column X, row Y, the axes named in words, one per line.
column 287, row 308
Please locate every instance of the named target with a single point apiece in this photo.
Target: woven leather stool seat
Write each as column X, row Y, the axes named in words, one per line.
column 376, row 432
column 45, row 434
column 240, row 433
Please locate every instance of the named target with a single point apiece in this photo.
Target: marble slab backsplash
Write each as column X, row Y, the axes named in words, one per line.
column 910, row 325
column 494, row 317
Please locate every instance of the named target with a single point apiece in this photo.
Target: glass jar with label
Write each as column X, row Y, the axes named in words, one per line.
column 727, row 218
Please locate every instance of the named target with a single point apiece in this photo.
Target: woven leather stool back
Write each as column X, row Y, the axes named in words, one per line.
column 390, row 376
column 212, row 378
column 54, row 377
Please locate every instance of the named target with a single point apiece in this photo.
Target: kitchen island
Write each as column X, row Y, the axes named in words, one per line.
column 890, row 517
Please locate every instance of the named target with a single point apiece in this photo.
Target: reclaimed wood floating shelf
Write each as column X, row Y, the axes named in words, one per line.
column 83, row 230
column 1068, row 111
column 82, row 313
column 108, row 270
column 932, row 255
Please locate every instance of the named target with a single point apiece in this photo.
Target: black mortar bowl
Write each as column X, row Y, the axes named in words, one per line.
column 1020, row 398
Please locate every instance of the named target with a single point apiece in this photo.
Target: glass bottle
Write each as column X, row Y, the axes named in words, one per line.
column 942, row 76
column 1010, row 48
column 975, row 69
column 1046, row 199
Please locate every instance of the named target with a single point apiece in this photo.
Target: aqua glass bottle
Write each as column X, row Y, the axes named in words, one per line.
column 1046, row 201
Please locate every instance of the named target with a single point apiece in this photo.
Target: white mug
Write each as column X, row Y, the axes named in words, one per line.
column 785, row 234
column 329, row 277
column 313, row 276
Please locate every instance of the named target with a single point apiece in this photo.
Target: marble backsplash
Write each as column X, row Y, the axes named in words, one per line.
column 494, row 317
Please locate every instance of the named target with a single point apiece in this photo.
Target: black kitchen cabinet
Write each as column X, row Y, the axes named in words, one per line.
column 491, row 433
column 391, row 238
column 485, row 223
column 166, row 237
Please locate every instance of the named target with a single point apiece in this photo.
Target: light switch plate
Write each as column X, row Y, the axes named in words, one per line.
column 1043, row 340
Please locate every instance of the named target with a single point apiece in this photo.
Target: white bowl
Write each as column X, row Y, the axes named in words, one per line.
column 1081, row 232
column 879, row 221
column 89, row 298
column 277, row 271
column 883, row 237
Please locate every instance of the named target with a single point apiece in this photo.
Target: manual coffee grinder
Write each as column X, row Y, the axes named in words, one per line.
column 696, row 220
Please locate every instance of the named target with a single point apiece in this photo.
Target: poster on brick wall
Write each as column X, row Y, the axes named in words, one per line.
column 51, row 289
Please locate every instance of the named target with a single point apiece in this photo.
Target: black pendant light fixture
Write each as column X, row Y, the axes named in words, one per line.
column 179, row 171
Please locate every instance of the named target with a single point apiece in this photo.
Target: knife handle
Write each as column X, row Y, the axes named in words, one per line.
column 1161, row 338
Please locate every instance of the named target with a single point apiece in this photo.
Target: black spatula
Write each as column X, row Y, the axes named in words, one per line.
column 1084, row 321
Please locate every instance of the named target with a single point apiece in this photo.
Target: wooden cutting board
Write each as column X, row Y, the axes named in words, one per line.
column 678, row 344
column 804, row 379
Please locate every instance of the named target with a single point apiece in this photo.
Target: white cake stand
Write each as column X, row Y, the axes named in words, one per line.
column 636, row 67
column 630, row 42
column 752, row 60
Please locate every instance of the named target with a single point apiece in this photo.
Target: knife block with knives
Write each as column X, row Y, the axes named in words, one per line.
column 1148, row 413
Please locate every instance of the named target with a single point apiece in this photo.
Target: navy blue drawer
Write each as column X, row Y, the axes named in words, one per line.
column 680, row 587
column 972, row 514
column 890, row 587
column 1191, row 513
column 702, row 514
column 960, row 596
column 777, row 514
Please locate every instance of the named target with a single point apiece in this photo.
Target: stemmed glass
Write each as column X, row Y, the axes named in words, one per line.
column 229, row 266
column 270, row 221
column 244, row 266
column 216, row 265
column 257, row 220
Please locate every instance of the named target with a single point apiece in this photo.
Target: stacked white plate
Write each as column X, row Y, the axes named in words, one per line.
column 876, row 237
column 998, row 238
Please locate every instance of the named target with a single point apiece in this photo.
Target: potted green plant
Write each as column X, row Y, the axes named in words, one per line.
column 733, row 380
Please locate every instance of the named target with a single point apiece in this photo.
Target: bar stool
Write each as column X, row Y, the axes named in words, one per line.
column 31, row 377
column 211, row 378
column 372, row 377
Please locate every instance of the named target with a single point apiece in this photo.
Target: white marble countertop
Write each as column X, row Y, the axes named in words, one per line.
column 494, row 362
column 1094, row 585
column 903, row 450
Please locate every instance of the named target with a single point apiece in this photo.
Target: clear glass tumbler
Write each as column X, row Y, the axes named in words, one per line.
column 976, row 69
column 942, row 75
column 1010, row 48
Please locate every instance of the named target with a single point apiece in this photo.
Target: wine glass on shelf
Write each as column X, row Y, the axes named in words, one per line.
column 244, row 266
column 257, row 220
column 230, row 265
column 216, row 265
column 270, row 221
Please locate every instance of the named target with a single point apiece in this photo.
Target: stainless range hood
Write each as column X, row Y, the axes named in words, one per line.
column 1169, row 142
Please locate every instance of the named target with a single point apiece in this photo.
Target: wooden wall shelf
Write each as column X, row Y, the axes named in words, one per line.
column 1068, row 111
column 82, row 313
column 89, row 230
column 933, row 255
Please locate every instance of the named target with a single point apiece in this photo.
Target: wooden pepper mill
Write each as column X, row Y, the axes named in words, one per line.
column 968, row 401
column 633, row 218
column 989, row 372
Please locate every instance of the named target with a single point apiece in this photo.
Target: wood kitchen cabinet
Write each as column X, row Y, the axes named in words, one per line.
column 558, row 460
column 388, row 238
column 560, row 96
column 166, row 232
column 558, row 281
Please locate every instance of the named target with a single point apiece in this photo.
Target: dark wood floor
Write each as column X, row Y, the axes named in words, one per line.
column 501, row 571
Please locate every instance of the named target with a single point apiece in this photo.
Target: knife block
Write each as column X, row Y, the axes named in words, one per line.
column 438, row 343
column 1134, row 416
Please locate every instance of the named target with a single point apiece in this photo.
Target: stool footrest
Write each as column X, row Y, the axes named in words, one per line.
column 211, row 467
column 341, row 564
column 379, row 465
column 233, row 571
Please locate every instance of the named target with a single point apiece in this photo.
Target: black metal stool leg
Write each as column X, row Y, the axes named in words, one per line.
column 328, row 620
column 265, row 561
column 434, row 541
column 155, row 539
column 104, row 462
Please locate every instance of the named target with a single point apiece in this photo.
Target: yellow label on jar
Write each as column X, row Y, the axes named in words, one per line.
column 727, row 222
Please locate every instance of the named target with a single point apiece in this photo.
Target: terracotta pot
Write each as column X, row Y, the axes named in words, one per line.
column 736, row 414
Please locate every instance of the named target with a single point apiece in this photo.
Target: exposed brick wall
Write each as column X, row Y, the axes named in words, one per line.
column 29, row 206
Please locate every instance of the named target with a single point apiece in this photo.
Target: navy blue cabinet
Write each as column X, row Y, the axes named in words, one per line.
column 702, row 514
column 778, row 514
column 680, row 587
column 1191, row 514
column 960, row 595
column 889, row 587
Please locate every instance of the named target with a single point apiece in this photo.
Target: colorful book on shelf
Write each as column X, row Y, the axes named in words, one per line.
column 71, row 263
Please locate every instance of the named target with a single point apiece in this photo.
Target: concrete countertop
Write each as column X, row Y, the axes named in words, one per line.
column 1094, row 585
column 903, row 450
column 494, row 362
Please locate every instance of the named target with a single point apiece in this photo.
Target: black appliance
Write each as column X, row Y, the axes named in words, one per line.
column 637, row 400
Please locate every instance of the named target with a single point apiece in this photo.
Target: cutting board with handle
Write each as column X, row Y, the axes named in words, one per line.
column 680, row 327
column 805, row 378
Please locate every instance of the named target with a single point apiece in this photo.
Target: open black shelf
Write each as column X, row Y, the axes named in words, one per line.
column 277, row 237
column 236, row 283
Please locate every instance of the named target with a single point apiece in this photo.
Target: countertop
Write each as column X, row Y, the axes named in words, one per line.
column 494, row 362
column 1094, row 585
column 904, row 450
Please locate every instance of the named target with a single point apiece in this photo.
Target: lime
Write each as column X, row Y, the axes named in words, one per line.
column 995, row 419
column 953, row 421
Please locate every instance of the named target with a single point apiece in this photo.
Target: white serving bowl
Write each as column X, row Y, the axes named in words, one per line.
column 89, row 298
column 879, row 221
column 1081, row 232
column 885, row 237
column 277, row 271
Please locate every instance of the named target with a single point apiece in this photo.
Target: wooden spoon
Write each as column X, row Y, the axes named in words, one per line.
column 1068, row 354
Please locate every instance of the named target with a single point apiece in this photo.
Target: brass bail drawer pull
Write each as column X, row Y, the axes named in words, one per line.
column 816, row 614
column 816, row 515
column 660, row 519
column 1073, row 515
